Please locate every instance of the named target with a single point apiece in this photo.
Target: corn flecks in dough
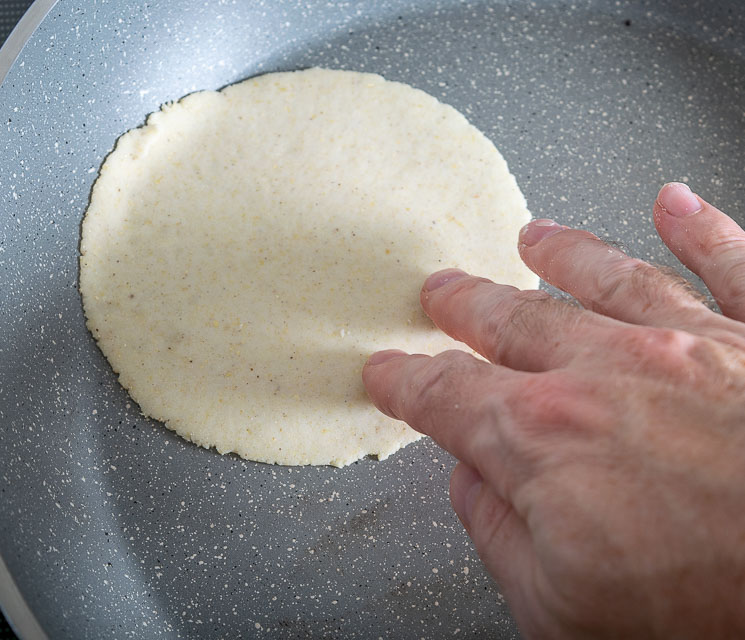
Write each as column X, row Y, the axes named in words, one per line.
column 246, row 250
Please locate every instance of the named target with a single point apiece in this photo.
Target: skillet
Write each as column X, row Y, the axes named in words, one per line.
column 110, row 525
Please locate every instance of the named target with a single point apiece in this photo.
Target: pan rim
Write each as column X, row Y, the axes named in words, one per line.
column 21, row 34
column 13, row 605
column 17, row 612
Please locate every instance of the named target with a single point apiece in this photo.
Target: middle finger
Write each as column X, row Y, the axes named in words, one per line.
column 523, row 330
column 606, row 280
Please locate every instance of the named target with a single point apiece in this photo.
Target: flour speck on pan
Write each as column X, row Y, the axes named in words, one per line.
column 247, row 249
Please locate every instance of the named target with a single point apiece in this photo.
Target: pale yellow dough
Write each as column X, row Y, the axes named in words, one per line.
column 246, row 250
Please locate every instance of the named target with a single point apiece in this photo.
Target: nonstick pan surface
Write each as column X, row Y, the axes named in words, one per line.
column 113, row 527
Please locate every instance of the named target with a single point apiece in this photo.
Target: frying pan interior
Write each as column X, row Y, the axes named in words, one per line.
column 111, row 526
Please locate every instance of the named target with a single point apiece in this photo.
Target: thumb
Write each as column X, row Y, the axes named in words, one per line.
column 465, row 488
column 501, row 538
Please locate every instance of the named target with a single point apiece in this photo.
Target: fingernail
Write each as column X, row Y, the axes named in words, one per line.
column 379, row 357
column 533, row 232
column 439, row 278
column 678, row 200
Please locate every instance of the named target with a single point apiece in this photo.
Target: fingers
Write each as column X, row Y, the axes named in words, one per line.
column 605, row 279
column 498, row 421
column 441, row 396
column 706, row 241
column 524, row 330
column 453, row 397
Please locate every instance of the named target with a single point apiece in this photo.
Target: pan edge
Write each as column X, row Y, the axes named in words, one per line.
column 17, row 612
column 21, row 34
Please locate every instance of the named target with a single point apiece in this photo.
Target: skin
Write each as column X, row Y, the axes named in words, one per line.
column 601, row 449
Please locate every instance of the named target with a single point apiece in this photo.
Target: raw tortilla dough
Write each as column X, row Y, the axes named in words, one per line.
column 247, row 249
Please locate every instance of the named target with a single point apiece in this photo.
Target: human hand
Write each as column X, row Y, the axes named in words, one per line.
column 601, row 468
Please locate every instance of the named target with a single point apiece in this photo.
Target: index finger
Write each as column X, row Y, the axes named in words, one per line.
column 453, row 397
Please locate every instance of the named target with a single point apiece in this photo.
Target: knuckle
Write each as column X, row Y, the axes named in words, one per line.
column 545, row 404
column 546, row 401
column 679, row 288
column 539, row 423
column 532, row 315
column 724, row 246
column 436, row 382
column 660, row 349
column 650, row 286
column 525, row 315
column 662, row 341
column 683, row 360
column 612, row 280
column 526, row 307
column 526, row 304
column 731, row 289
column 460, row 290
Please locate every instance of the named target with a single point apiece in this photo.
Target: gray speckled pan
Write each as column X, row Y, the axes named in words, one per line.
column 113, row 527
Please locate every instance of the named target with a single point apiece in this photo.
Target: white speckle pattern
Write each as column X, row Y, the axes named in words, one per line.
column 112, row 528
